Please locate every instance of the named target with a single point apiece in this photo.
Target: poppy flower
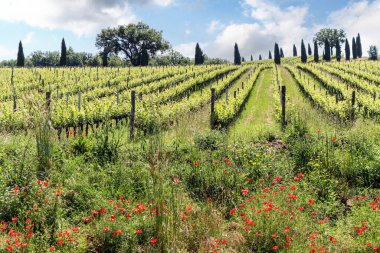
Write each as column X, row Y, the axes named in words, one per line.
column 196, row 163
column 138, row 231
column 153, row 241
column 333, row 139
column 275, row 247
column 176, row 180
column 244, row 192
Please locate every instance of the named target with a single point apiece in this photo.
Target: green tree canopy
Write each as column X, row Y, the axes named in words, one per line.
column 316, row 54
column 303, row 53
column 131, row 40
column 338, row 51
column 20, row 56
column 63, row 59
column 277, row 56
column 237, row 57
column 347, row 51
column 354, row 55
column 199, row 56
column 372, row 53
column 327, row 51
column 331, row 35
column 359, row 50
column 309, row 52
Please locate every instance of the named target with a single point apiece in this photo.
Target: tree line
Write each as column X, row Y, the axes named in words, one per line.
column 139, row 44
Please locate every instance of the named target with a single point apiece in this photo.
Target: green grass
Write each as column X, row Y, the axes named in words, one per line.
column 314, row 118
column 258, row 113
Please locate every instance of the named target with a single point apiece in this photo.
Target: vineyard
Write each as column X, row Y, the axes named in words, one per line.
column 255, row 157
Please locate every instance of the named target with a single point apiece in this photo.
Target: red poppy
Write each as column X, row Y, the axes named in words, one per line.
column 196, row 163
column 16, row 189
column 333, row 139
column 60, row 242
column 176, row 180
column 138, row 231
column 244, row 192
column 153, row 241
column 261, row 180
column 311, row 202
column 275, row 247
column 106, row 229
column 51, row 248
column 274, row 236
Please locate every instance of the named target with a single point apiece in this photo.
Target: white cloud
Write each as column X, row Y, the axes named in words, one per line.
column 269, row 24
column 360, row 17
column 163, row 2
column 215, row 25
column 188, row 32
column 82, row 17
column 7, row 53
column 28, row 38
column 187, row 49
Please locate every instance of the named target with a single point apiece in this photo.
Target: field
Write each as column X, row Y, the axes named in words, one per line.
column 203, row 158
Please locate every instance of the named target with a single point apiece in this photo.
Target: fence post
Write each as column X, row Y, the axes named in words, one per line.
column 283, row 96
column 48, row 100
column 132, row 120
column 80, row 124
column 212, row 117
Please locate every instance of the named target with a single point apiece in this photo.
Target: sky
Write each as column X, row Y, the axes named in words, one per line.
column 255, row 25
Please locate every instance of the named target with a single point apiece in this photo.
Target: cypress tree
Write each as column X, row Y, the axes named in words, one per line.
column 309, row 49
column 294, row 51
column 242, row 59
column 316, row 55
column 237, row 58
column 324, row 55
column 338, row 51
column 270, row 55
column 260, row 58
column 251, row 58
column 347, row 49
column 198, row 55
column 303, row 53
column 354, row 55
column 327, row 51
column 20, row 56
column 277, row 57
column 359, row 52
column 144, row 58
column 281, row 53
column 63, row 59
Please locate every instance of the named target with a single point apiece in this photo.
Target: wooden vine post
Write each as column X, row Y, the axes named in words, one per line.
column 132, row 119
column 212, row 116
column 80, row 124
column 48, row 100
column 283, row 96
column 353, row 104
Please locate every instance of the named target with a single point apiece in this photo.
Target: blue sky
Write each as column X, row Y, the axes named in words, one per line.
column 216, row 24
